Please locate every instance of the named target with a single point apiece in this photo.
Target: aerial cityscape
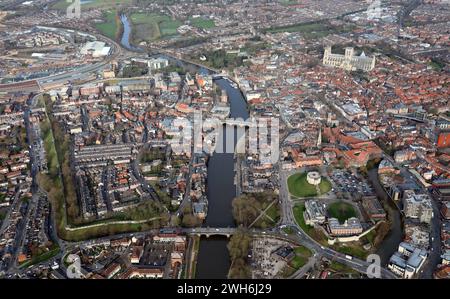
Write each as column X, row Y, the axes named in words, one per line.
column 224, row 139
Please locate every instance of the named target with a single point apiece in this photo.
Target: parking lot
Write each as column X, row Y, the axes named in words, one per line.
column 347, row 182
column 264, row 264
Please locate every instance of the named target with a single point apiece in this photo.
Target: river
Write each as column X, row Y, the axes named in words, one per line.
column 213, row 259
column 125, row 39
column 390, row 243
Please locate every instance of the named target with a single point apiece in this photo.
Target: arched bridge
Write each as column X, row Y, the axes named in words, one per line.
column 209, row 231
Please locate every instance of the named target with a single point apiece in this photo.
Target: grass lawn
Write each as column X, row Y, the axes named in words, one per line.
column 302, row 250
column 298, row 262
column 289, row 2
column 312, row 30
column 353, row 249
column 153, row 26
column 341, row 210
column 202, row 23
column 298, row 186
column 288, row 230
column 110, row 27
column 302, row 255
column 370, row 236
column 338, row 267
column 274, row 212
column 300, row 28
column 49, row 146
column 324, row 186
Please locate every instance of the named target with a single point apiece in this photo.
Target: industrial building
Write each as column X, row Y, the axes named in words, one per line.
column 95, row 49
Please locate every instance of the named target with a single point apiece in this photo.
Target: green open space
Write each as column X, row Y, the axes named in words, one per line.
column 299, row 187
column 302, row 255
column 312, row 30
column 354, row 249
column 341, row 268
column 152, row 26
column 288, row 230
column 288, row 2
column 202, row 23
column 298, row 261
column 2, row 196
column 248, row 207
column 111, row 25
column 341, row 210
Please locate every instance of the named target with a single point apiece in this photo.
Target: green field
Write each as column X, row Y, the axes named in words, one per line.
column 105, row 4
column 302, row 255
column 153, row 26
column 312, row 30
column 352, row 248
column 338, row 267
column 299, row 187
column 289, row 2
column 110, row 27
column 341, row 210
column 50, row 150
column 202, row 23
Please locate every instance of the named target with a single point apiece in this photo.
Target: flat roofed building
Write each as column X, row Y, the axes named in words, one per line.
column 417, row 206
column 408, row 260
column 96, row 49
column 314, row 212
column 373, row 208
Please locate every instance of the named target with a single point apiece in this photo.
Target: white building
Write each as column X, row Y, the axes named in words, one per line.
column 407, row 261
column 96, row 49
column 157, row 63
column 313, row 178
column 349, row 61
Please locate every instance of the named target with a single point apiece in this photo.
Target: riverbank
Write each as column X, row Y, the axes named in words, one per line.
column 221, row 191
column 390, row 243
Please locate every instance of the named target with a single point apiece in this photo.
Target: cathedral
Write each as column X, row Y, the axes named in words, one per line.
column 349, row 61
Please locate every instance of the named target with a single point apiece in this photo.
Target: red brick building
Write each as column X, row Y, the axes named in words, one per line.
column 443, row 140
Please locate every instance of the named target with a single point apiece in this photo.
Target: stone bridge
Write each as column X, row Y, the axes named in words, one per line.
column 219, row 231
column 208, row 231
